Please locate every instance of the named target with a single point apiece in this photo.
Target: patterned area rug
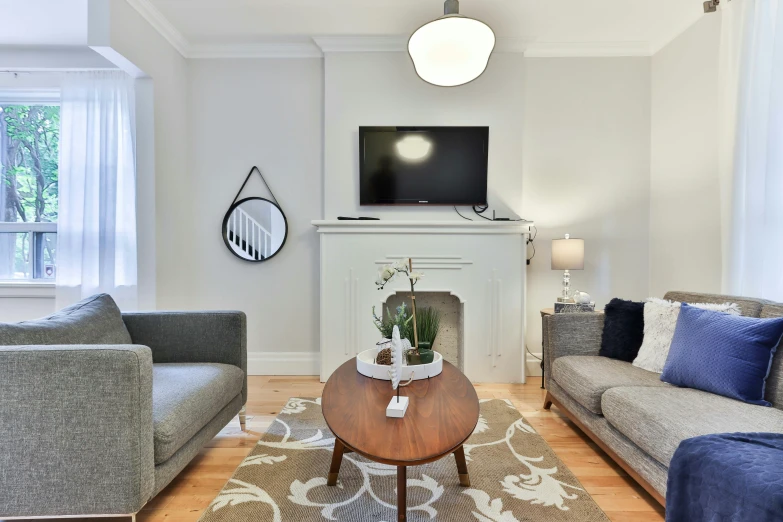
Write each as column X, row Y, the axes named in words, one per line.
column 515, row 477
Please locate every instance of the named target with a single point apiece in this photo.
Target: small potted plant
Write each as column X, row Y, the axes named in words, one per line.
column 428, row 327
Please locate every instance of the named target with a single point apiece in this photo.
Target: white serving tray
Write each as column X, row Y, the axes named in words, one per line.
column 365, row 364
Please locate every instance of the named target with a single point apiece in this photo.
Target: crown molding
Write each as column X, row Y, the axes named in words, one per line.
column 255, row 50
column 161, row 24
column 371, row 43
column 398, row 43
column 362, row 44
column 394, row 43
column 659, row 45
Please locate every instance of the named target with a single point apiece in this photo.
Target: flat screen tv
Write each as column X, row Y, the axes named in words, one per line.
column 423, row 165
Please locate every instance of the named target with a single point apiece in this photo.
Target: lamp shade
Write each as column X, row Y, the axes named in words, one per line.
column 568, row 254
column 452, row 50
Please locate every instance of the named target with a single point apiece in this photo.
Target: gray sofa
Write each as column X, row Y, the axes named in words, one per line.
column 100, row 410
column 633, row 416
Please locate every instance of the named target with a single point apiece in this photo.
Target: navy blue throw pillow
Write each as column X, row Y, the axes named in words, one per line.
column 623, row 330
column 724, row 354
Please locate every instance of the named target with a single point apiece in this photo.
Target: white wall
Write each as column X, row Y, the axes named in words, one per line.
column 165, row 227
column 267, row 113
column 586, row 156
column 569, row 148
column 383, row 89
column 685, row 205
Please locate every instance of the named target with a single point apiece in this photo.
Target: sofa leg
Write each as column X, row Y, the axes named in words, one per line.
column 242, row 418
column 547, row 402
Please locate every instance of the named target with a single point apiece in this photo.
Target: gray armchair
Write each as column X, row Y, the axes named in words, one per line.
column 100, row 411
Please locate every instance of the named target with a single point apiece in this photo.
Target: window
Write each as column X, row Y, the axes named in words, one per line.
column 29, row 143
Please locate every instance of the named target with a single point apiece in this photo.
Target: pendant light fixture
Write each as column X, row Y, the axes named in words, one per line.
column 452, row 50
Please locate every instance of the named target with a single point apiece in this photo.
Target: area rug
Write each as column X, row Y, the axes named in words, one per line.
column 515, row 477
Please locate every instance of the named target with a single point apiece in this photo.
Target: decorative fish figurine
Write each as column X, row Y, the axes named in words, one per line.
column 396, row 354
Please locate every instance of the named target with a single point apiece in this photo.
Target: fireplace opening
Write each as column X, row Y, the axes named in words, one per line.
column 449, row 341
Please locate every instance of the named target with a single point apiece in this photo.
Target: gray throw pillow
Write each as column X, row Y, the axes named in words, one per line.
column 95, row 320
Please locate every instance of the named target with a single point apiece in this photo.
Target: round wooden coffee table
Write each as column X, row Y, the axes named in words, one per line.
column 442, row 414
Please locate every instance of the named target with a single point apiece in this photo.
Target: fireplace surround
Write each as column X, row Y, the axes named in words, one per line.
column 480, row 263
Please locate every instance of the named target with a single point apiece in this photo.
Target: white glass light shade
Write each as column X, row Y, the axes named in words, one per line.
column 452, row 50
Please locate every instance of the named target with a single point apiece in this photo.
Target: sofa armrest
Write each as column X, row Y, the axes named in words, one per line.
column 215, row 337
column 75, row 430
column 571, row 334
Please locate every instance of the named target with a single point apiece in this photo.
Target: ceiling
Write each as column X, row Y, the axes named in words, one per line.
column 647, row 24
column 43, row 22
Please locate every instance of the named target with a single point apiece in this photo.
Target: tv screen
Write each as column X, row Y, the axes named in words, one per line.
column 423, row 165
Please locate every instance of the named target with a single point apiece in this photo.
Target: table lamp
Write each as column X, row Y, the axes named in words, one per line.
column 567, row 254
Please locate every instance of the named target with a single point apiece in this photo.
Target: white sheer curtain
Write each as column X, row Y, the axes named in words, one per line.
column 755, row 248
column 96, row 231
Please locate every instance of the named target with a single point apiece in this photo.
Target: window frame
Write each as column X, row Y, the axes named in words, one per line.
column 28, row 287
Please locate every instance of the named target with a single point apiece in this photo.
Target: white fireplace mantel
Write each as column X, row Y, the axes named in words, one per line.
column 335, row 226
column 480, row 262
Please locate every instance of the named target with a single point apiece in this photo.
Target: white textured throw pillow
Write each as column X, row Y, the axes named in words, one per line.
column 660, row 320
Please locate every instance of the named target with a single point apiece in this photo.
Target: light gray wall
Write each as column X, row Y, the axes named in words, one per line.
column 267, row 113
column 363, row 89
column 167, row 208
column 570, row 145
column 586, row 156
column 685, row 205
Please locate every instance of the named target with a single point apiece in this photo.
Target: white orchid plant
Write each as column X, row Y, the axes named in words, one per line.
column 388, row 272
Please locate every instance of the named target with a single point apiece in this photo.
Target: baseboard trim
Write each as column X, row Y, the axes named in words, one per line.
column 533, row 365
column 283, row 363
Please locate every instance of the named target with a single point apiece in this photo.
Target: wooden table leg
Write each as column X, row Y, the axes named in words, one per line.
column 462, row 467
column 337, row 459
column 402, row 489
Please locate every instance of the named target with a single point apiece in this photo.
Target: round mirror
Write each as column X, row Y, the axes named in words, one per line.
column 255, row 229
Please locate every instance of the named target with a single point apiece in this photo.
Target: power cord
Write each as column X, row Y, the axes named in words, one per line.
column 531, row 353
column 460, row 215
column 480, row 209
column 530, row 242
column 480, row 212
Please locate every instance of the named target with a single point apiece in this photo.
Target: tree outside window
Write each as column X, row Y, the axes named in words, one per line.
column 29, row 142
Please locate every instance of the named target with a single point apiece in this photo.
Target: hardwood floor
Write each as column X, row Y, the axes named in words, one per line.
column 192, row 491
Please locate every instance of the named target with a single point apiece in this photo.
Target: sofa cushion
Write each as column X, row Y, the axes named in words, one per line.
column 95, row 320
column 185, row 397
column 774, row 391
column 586, row 378
column 658, row 419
